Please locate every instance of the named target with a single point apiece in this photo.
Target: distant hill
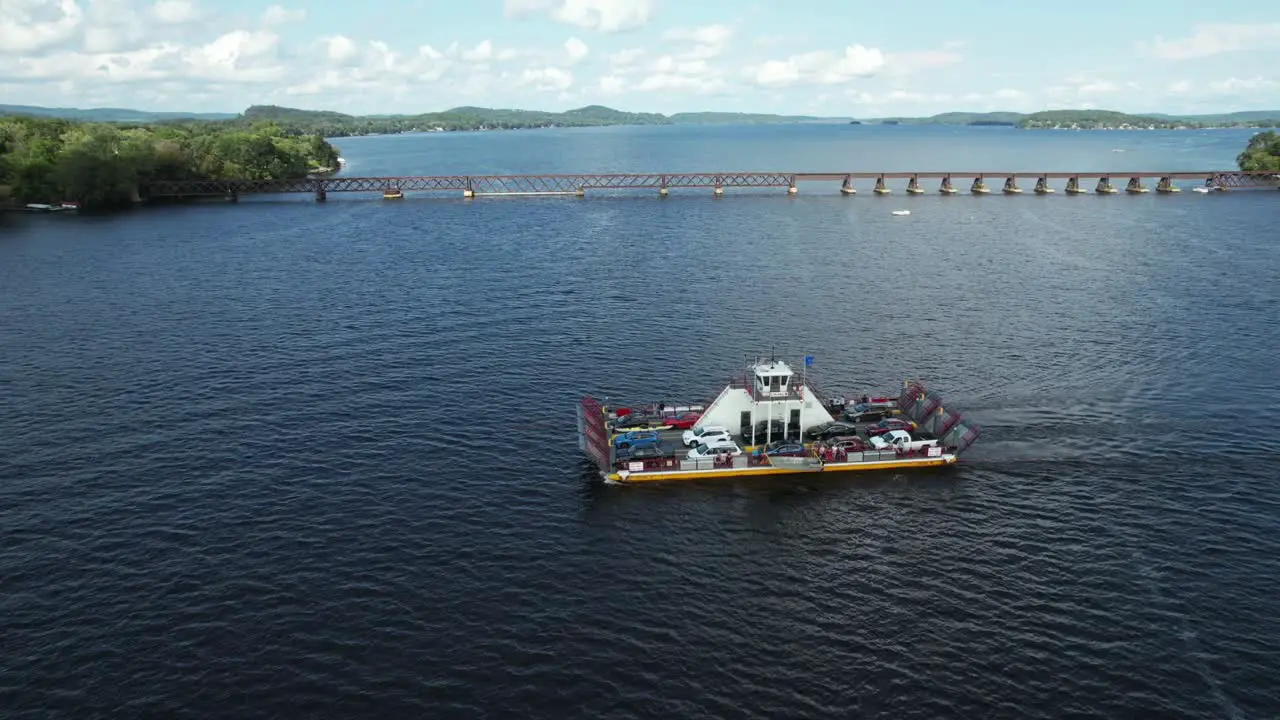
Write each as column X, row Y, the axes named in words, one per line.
column 730, row 118
column 1090, row 119
column 954, row 118
column 1243, row 116
column 109, row 114
column 335, row 124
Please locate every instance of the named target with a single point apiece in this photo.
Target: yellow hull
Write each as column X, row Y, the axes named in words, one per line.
column 721, row 473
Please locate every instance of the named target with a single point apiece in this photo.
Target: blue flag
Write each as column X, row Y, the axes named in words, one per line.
column 808, row 360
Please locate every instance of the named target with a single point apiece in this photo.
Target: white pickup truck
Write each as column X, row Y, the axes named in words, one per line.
column 902, row 440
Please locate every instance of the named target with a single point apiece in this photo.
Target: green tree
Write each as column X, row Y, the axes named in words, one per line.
column 1262, row 153
column 101, row 164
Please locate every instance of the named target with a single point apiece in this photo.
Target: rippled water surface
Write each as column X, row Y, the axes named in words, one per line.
column 282, row 459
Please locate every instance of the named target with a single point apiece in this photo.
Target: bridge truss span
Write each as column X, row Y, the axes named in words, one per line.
column 578, row 184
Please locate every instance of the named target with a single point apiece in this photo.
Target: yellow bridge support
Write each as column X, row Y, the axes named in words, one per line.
column 1042, row 186
column 979, row 186
column 1011, row 186
column 1073, row 186
column 846, row 188
column 1104, row 186
column 913, row 186
column 946, row 188
column 880, row 187
column 1166, row 186
column 1135, row 186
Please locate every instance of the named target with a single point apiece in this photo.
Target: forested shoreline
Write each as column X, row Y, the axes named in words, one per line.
column 102, row 165
column 1262, row 154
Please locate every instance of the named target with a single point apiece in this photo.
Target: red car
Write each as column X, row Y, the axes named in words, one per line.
column 683, row 421
column 888, row 424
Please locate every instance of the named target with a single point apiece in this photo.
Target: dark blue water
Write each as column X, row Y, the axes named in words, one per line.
column 292, row 460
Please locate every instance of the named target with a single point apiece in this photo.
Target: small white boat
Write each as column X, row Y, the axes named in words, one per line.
column 901, row 212
column 1202, row 190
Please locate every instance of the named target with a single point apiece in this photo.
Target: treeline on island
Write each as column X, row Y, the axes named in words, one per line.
column 50, row 160
column 1262, row 154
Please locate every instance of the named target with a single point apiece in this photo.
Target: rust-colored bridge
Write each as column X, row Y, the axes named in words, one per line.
column 480, row 185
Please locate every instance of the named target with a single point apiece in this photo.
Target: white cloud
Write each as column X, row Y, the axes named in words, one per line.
column 1101, row 87
column 340, row 48
column 175, row 12
column 605, row 16
column 1214, row 39
column 576, row 49
column 1231, row 86
column 240, row 56
column 548, row 79
column 704, row 42
column 482, row 51
column 277, row 15
column 612, row 85
column 819, row 68
column 909, row 63
column 628, row 59
column 670, row 72
column 30, row 26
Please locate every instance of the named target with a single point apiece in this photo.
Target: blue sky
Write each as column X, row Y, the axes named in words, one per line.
column 841, row 58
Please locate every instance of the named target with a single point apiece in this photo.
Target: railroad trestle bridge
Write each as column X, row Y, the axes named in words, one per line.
column 470, row 186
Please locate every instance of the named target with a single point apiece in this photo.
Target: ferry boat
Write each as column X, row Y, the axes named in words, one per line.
column 771, row 422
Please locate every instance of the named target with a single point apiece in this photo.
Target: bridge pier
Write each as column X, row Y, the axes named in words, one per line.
column 321, row 195
column 1073, row 186
column 1135, row 186
column 946, row 188
column 846, row 187
column 791, row 189
column 1166, row 186
column 1011, row 186
column 1042, row 186
column 880, row 187
column 233, row 196
column 913, row 186
column 718, row 191
column 581, row 192
column 1104, row 186
column 979, row 186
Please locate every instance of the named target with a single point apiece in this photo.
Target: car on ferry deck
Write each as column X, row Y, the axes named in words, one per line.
column 870, row 412
column 717, row 450
column 710, row 433
column 763, row 433
column 634, row 421
column 636, row 439
column 830, row 430
column 888, row 424
column 786, row 449
column 852, row 443
column 648, row 452
column 683, row 421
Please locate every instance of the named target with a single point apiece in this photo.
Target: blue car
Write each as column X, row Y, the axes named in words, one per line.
column 787, row 450
column 637, row 439
column 642, row 453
